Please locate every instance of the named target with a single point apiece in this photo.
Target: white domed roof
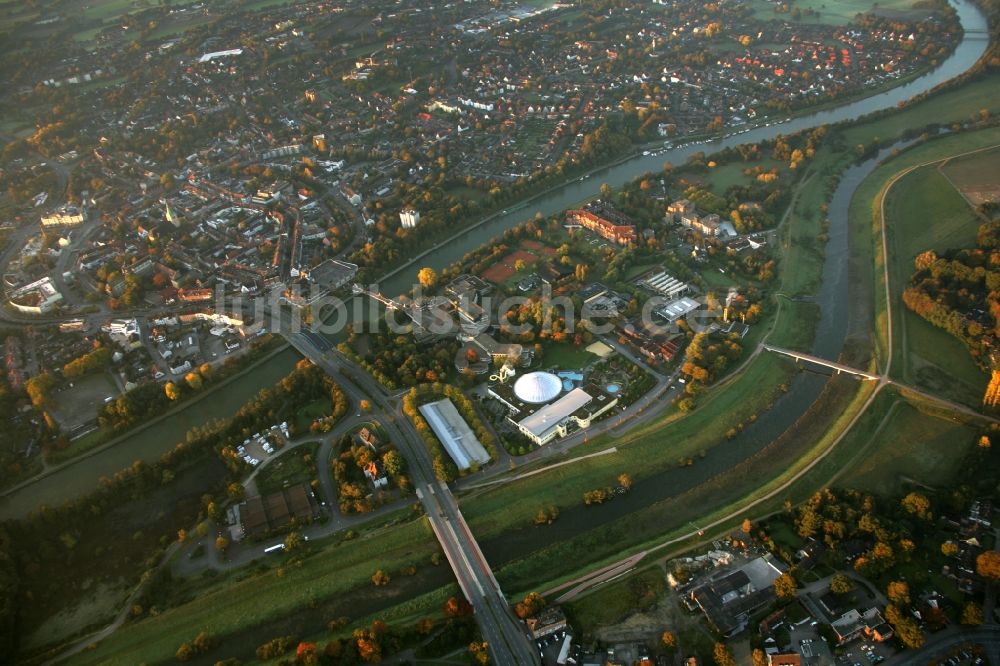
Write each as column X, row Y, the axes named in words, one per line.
column 537, row 387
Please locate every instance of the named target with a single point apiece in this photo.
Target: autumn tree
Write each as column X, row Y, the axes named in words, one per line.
column 669, row 640
column 917, row 504
column 784, row 586
column 898, row 592
column 172, row 391
column 380, row 578
column 427, row 277
column 758, row 658
column 624, row 480
column 306, row 654
column 531, row 604
column 193, row 379
column 221, row 543
column 455, row 607
column 746, row 526
column 294, row 541
column 723, row 655
column 841, row 584
column 972, row 614
column 988, row 565
column 949, row 549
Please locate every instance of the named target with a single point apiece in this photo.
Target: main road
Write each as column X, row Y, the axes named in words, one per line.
column 506, row 637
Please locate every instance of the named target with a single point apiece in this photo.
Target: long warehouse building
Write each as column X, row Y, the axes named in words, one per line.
column 456, row 435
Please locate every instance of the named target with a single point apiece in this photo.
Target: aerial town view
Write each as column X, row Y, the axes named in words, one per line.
column 512, row 332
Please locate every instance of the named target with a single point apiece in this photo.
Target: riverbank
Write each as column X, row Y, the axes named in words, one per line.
column 148, row 442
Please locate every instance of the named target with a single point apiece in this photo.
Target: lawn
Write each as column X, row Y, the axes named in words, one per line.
column 292, row 467
column 956, row 105
column 565, row 356
column 721, row 178
column 975, row 171
column 912, row 445
column 616, row 601
column 306, row 414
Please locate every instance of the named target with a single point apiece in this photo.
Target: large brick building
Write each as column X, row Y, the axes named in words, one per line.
column 603, row 219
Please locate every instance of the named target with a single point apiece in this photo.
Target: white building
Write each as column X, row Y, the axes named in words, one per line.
column 578, row 407
column 666, row 284
column 37, row 297
column 678, row 309
column 67, row 216
column 409, row 218
column 455, row 434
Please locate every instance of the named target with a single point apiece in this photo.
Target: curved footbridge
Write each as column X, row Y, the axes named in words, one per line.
column 839, row 367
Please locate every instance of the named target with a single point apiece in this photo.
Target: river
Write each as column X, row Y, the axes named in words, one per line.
column 804, row 389
column 148, row 444
column 833, row 297
column 972, row 46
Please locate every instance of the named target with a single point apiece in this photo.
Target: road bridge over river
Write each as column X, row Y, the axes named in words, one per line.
column 509, row 643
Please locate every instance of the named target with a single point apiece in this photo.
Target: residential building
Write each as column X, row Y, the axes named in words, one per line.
column 854, row 623
column 679, row 208
column 66, row 216
column 604, row 220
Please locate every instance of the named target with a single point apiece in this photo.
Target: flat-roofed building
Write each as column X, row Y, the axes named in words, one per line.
column 36, row 297
column 455, row 434
column 67, row 216
column 677, row 309
column 261, row 515
column 578, row 407
column 409, row 218
column 666, row 284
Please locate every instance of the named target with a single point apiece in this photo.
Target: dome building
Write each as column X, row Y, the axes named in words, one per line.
column 537, row 387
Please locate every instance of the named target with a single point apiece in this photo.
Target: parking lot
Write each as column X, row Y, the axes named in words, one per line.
column 260, row 446
column 550, row 646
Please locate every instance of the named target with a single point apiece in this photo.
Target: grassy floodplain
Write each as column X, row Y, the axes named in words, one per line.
column 923, row 212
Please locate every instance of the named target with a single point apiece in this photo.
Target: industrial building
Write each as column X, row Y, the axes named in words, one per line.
column 455, row 434
column 677, row 309
column 666, row 284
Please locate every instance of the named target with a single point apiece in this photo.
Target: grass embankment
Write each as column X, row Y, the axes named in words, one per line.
column 643, row 452
column 618, row 600
column 333, row 581
column 923, row 212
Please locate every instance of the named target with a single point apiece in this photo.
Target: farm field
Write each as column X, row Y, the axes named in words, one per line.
column 976, row 177
column 841, row 12
column 911, row 445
